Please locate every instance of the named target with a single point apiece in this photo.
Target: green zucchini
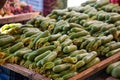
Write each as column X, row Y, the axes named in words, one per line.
column 6, row 40
column 41, row 56
column 81, row 56
column 50, row 57
column 69, row 49
column 69, row 75
column 62, row 38
column 116, row 72
column 70, row 60
column 16, row 47
column 93, row 62
column 53, row 37
column 22, row 51
column 67, row 42
column 111, row 67
column 58, row 61
column 114, row 46
column 74, row 53
column 79, row 64
column 42, row 35
column 113, row 52
column 61, row 67
column 79, row 34
column 84, row 44
column 90, row 57
column 39, row 51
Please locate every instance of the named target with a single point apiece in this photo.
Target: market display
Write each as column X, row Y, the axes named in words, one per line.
column 114, row 69
column 64, row 43
column 14, row 7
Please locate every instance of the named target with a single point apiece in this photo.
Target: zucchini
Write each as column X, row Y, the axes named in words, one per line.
column 76, row 29
column 116, row 72
column 6, row 40
column 113, row 52
column 41, row 35
column 49, row 58
column 22, row 51
column 84, row 44
column 41, row 56
column 69, row 75
column 61, row 67
column 67, row 42
column 93, row 62
column 58, row 61
column 53, row 37
column 70, row 60
column 79, row 64
column 111, row 67
column 62, row 38
column 90, row 57
column 74, row 53
column 79, row 34
column 16, row 47
column 114, row 46
column 39, row 51
column 81, row 56
column 69, row 49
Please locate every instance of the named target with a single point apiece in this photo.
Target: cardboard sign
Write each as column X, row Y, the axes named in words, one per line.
column 37, row 4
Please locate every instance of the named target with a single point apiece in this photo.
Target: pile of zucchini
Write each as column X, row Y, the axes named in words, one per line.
column 64, row 43
column 103, row 5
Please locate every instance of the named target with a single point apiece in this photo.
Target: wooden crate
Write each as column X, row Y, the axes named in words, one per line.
column 81, row 76
column 19, row 17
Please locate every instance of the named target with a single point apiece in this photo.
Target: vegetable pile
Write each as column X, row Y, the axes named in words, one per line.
column 64, row 43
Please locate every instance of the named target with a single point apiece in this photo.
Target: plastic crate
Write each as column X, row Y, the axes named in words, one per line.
column 6, row 74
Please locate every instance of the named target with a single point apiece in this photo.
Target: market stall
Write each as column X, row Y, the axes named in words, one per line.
column 70, row 44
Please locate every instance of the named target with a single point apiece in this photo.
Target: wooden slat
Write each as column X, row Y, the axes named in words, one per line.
column 19, row 17
column 92, row 70
column 25, row 72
